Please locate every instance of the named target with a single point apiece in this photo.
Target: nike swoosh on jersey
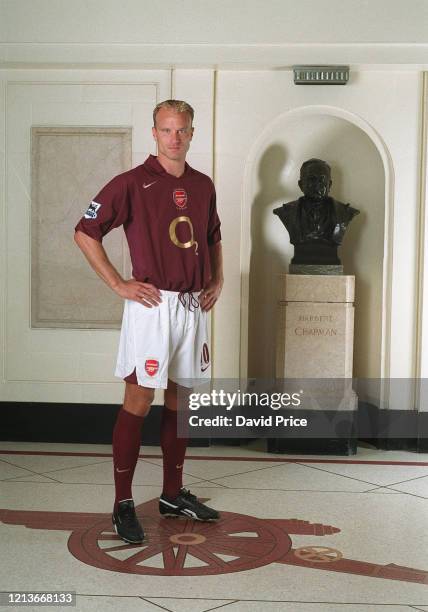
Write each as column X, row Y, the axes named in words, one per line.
column 146, row 185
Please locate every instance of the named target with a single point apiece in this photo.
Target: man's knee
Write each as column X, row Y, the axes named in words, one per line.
column 138, row 399
column 175, row 394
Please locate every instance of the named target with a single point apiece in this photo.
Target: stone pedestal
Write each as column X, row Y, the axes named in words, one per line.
column 315, row 333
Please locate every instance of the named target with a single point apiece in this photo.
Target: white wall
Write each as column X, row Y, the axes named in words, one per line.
column 226, row 33
column 233, row 61
column 302, row 21
column 249, row 108
column 72, row 365
column 57, row 365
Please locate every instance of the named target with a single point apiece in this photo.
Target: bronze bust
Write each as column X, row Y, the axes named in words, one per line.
column 316, row 222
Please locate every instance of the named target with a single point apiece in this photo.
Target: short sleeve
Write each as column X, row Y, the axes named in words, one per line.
column 109, row 209
column 214, row 233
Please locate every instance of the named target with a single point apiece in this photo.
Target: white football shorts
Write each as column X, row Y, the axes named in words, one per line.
column 166, row 341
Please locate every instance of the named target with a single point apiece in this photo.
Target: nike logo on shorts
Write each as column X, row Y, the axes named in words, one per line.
column 125, row 470
column 146, row 185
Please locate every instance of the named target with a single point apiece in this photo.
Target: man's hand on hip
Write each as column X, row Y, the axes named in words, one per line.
column 143, row 293
column 210, row 294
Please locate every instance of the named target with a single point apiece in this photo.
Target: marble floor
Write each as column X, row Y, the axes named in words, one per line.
column 297, row 533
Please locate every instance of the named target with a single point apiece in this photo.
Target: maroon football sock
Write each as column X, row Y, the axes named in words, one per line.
column 173, row 450
column 126, row 446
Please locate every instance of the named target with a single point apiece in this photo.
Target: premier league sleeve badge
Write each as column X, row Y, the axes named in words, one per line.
column 92, row 211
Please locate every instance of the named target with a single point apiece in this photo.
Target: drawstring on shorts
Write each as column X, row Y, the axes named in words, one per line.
column 192, row 304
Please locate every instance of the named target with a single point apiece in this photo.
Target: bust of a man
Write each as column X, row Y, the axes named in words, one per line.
column 316, row 222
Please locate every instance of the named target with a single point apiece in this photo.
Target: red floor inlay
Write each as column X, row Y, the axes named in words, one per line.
column 181, row 547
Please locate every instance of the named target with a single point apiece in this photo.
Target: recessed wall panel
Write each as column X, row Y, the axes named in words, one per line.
column 69, row 165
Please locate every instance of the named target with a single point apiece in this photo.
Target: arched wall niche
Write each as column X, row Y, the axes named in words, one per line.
column 362, row 175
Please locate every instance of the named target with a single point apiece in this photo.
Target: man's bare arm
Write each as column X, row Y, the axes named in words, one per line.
column 211, row 292
column 145, row 293
column 216, row 259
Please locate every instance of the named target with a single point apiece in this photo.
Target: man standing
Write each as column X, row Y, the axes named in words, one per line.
column 168, row 211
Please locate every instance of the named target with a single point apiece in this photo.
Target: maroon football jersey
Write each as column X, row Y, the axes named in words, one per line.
column 169, row 223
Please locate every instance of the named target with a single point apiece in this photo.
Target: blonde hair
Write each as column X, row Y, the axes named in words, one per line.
column 179, row 106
